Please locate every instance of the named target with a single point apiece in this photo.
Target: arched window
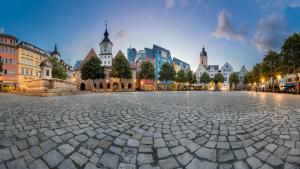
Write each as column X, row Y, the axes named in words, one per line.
column 122, row 85
column 129, row 85
column 108, row 86
column 82, row 86
column 95, row 85
column 101, row 86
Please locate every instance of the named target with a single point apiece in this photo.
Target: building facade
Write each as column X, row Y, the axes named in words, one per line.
column 29, row 58
column 202, row 67
column 180, row 65
column 106, row 50
column 9, row 57
column 131, row 55
column 226, row 71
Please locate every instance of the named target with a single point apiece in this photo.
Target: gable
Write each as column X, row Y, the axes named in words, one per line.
column 91, row 54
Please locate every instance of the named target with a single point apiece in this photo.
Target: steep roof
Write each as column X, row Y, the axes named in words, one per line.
column 91, row 54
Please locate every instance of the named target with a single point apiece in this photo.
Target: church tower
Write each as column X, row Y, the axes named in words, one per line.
column 106, row 49
column 203, row 57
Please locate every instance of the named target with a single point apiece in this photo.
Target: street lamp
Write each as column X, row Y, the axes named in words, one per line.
column 278, row 77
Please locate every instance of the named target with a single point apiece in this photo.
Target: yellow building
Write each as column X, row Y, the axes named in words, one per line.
column 29, row 60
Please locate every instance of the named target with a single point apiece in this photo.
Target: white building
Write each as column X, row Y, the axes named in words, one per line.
column 106, row 50
column 226, row 71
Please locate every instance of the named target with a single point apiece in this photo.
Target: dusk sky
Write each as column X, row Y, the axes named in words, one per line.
column 235, row 31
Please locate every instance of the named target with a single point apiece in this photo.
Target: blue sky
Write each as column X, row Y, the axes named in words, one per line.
column 235, row 31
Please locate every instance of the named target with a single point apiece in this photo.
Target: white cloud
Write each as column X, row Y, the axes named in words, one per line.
column 227, row 30
column 270, row 33
column 121, row 34
column 279, row 4
column 171, row 3
column 2, row 30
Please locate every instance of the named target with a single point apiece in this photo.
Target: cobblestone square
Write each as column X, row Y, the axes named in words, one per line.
column 151, row 130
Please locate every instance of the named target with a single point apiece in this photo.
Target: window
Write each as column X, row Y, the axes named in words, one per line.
column 37, row 73
column 22, row 71
column 5, row 71
column 108, row 62
column 105, row 62
column 26, row 71
column 31, row 73
column 47, row 72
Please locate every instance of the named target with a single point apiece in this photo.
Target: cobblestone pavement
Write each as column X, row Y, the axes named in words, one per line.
column 193, row 130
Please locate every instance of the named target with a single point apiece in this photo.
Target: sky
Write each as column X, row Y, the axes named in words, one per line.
column 239, row 32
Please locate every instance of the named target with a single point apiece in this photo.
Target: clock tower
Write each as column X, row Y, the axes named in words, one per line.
column 106, row 49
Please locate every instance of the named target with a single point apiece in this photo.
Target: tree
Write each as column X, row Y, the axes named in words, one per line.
column 1, row 64
column 166, row 73
column 234, row 79
column 58, row 69
column 121, row 67
column 256, row 73
column 190, row 77
column 218, row 78
column 270, row 66
column 290, row 52
column 204, row 78
column 147, row 71
column 93, row 70
column 181, row 77
column 248, row 78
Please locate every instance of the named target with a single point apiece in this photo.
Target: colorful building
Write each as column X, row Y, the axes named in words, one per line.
column 9, row 57
column 29, row 58
column 180, row 65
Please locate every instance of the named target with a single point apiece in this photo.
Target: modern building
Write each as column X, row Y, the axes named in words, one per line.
column 162, row 56
column 29, row 58
column 131, row 55
column 180, row 65
column 226, row 71
column 106, row 49
column 9, row 57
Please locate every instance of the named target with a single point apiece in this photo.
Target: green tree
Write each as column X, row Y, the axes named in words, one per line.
column 234, row 79
column 181, row 77
column 204, row 78
column 166, row 73
column 248, row 78
column 270, row 66
column 93, row 70
column 121, row 67
column 256, row 73
column 190, row 77
column 290, row 52
column 218, row 78
column 147, row 71
column 58, row 69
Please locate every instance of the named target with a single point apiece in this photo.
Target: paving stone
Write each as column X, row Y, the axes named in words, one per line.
column 126, row 166
column 133, row 143
column 178, row 150
column 67, row 164
column 197, row 164
column 207, row 153
column 17, row 164
column 254, row 162
column 146, row 129
column 35, row 151
column 274, row 161
column 53, row 158
column 90, row 166
column 38, row 164
column 144, row 159
column 78, row 159
column 65, row 149
column 163, row 152
column 240, row 165
column 185, row 158
column 168, row 163
column 110, row 160
column 5, row 154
